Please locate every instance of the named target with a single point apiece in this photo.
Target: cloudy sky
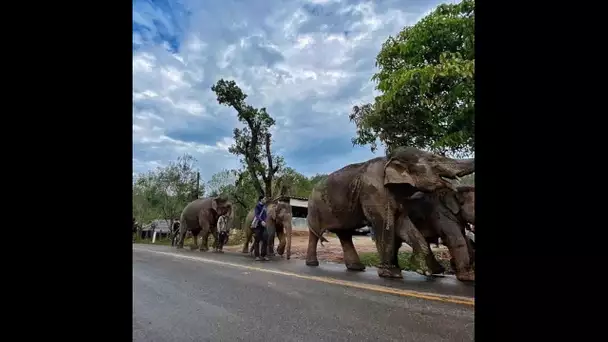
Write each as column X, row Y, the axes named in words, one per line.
column 307, row 61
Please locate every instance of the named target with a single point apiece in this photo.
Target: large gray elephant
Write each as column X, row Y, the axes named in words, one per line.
column 278, row 223
column 377, row 191
column 446, row 214
column 200, row 216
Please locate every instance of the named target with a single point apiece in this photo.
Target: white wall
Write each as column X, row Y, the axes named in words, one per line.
column 299, row 223
column 298, row 203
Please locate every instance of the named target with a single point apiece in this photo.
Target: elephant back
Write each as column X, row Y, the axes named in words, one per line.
column 192, row 210
column 341, row 190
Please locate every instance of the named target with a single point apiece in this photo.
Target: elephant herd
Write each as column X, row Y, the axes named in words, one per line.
column 403, row 197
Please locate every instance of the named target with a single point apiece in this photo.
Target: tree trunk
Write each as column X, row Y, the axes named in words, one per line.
column 268, row 192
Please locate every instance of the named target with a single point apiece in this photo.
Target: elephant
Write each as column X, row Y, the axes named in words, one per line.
column 278, row 222
column 377, row 191
column 446, row 214
column 200, row 216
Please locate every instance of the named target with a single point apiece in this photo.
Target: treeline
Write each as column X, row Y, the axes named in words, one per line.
column 164, row 192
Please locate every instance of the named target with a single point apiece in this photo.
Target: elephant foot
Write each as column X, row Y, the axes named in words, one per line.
column 192, row 248
column 179, row 247
column 203, row 249
column 356, row 266
column 436, row 267
column 245, row 250
column 419, row 265
column 466, row 276
column 390, row 272
column 312, row 262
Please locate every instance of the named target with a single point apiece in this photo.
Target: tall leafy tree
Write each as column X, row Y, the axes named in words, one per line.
column 427, row 81
column 253, row 142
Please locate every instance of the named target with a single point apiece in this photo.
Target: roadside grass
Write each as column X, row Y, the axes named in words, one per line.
column 372, row 259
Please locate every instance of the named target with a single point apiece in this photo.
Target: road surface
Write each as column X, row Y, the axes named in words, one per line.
column 182, row 295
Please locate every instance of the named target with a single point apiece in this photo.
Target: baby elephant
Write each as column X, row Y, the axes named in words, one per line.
column 446, row 214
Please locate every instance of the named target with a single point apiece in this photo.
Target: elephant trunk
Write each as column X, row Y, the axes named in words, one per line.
column 230, row 220
column 453, row 168
column 288, row 229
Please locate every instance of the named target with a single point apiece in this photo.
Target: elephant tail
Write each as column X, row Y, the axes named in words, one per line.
column 318, row 235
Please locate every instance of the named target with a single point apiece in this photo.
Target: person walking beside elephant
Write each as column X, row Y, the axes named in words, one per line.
column 223, row 230
column 258, row 226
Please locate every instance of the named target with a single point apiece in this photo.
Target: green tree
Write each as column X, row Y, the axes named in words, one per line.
column 145, row 202
column 164, row 192
column 427, row 81
column 292, row 183
column 316, row 179
column 253, row 142
column 221, row 182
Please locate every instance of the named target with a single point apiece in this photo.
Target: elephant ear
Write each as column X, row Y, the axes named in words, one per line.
column 214, row 204
column 451, row 202
column 395, row 172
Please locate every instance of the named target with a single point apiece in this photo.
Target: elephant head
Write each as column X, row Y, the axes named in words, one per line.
column 461, row 203
column 223, row 207
column 423, row 170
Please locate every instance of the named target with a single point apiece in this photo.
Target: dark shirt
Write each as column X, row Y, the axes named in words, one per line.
column 259, row 213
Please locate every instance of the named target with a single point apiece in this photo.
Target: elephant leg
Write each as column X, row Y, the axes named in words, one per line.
column 204, row 240
column 216, row 237
column 351, row 258
column 431, row 261
column 422, row 257
column 379, row 210
column 203, row 222
column 194, row 244
column 271, row 231
column 248, row 235
column 457, row 245
column 471, row 249
column 282, row 242
column 433, row 264
column 183, row 228
column 311, row 251
column 395, row 257
column 385, row 237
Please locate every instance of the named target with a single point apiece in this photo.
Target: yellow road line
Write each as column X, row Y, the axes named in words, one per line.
column 376, row 288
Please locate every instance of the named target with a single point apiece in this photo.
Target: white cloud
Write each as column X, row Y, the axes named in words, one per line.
column 307, row 61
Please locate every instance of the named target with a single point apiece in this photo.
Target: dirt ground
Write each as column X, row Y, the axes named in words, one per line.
column 332, row 250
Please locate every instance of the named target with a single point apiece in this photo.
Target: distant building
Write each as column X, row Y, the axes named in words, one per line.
column 160, row 226
column 299, row 210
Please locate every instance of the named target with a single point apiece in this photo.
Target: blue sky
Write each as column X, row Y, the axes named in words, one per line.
column 307, row 61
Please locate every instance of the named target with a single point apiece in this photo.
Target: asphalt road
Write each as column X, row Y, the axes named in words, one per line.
column 192, row 296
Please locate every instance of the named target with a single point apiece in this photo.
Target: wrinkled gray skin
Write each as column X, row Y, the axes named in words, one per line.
column 278, row 223
column 444, row 214
column 377, row 191
column 200, row 217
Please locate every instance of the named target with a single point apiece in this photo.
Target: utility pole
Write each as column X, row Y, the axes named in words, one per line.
column 198, row 179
